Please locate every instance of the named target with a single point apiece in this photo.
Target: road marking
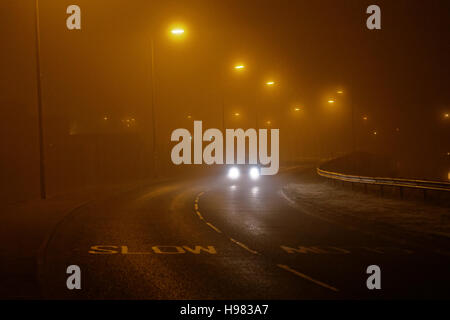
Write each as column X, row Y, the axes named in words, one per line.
column 304, row 276
column 345, row 250
column 244, row 246
column 199, row 249
column 316, row 250
column 125, row 251
column 199, row 215
column 256, row 252
column 103, row 249
column 196, row 206
column 213, row 227
column 160, row 249
column 301, row 249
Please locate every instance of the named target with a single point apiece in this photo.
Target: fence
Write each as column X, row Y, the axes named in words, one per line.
column 424, row 185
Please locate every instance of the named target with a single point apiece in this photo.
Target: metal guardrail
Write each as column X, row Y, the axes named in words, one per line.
column 401, row 183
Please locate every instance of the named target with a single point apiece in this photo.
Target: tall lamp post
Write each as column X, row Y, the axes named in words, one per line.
column 352, row 121
column 42, row 181
column 269, row 84
column 152, row 52
column 176, row 32
column 237, row 68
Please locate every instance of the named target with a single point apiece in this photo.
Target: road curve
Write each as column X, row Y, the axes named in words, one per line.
column 210, row 239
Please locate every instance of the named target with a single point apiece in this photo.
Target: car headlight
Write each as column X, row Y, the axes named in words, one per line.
column 254, row 173
column 233, row 173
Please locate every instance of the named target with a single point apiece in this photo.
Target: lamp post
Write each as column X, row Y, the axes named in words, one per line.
column 42, row 180
column 352, row 118
column 175, row 32
column 270, row 85
column 237, row 68
column 352, row 124
column 154, row 150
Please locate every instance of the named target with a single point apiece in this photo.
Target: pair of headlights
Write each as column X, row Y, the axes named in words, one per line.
column 234, row 173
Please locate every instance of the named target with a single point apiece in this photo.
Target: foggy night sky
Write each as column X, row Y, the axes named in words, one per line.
column 398, row 76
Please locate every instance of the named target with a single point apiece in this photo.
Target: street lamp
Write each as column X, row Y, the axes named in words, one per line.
column 178, row 32
column 353, row 136
column 270, row 83
column 42, row 169
column 237, row 68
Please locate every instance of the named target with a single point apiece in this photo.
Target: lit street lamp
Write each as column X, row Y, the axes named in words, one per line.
column 353, row 136
column 177, row 32
column 238, row 67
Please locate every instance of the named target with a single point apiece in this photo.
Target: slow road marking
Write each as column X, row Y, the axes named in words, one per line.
column 107, row 249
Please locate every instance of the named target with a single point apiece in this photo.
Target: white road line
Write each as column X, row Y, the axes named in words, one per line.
column 213, row 227
column 199, row 215
column 304, row 276
column 244, row 246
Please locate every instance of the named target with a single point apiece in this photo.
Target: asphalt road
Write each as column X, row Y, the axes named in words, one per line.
column 208, row 239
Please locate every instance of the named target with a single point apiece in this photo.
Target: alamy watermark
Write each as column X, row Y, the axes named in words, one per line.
column 73, row 21
column 213, row 153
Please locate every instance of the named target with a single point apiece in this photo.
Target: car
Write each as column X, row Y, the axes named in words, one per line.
column 245, row 172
